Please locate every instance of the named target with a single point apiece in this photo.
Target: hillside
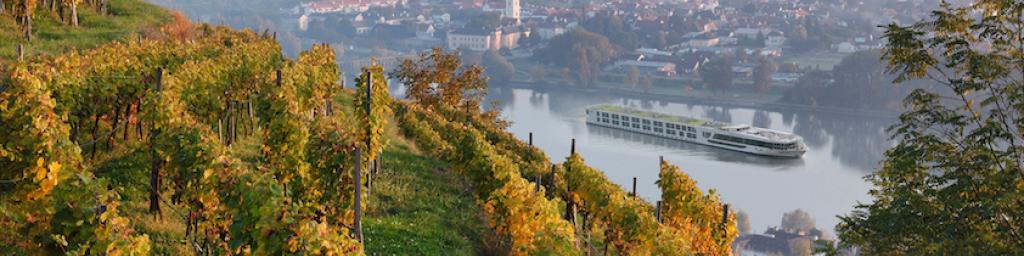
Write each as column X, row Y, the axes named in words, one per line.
column 54, row 37
column 209, row 141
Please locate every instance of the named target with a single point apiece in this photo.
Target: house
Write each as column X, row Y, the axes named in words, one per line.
column 775, row 39
column 691, row 62
column 346, row 6
column 775, row 242
column 479, row 39
column 652, row 52
column 845, row 47
column 701, row 39
column 751, row 33
column 647, row 67
column 786, row 77
column 475, row 39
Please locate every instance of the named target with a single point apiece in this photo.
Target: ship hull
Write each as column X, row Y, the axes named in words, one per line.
column 699, row 135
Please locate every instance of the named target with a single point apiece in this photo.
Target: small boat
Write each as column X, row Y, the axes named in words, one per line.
column 738, row 137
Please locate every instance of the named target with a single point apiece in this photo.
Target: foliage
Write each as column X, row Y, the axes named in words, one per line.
column 743, row 222
column 952, row 183
column 371, row 125
column 686, row 207
column 527, row 221
column 797, row 221
column 717, row 74
column 497, row 67
column 439, row 78
column 61, row 207
column 763, row 74
column 580, row 50
column 615, row 29
column 629, row 224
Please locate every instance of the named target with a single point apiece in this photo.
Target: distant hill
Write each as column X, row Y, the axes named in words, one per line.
column 54, row 37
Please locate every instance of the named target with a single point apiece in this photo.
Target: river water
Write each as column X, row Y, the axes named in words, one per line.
column 826, row 182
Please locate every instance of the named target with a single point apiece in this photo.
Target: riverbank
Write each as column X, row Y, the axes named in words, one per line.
column 766, row 103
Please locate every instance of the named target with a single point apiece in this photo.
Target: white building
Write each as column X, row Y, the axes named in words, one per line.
column 512, row 10
column 304, row 22
column 483, row 40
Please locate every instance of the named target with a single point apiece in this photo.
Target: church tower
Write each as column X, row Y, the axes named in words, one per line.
column 512, row 9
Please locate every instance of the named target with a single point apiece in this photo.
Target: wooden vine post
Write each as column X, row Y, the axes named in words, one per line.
column 725, row 215
column 657, row 211
column 21, row 52
column 357, row 222
column 570, row 211
column 157, row 161
column 369, row 129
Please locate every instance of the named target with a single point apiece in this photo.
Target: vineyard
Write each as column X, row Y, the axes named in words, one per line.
column 214, row 143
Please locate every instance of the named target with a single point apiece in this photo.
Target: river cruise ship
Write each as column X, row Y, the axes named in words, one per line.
column 743, row 138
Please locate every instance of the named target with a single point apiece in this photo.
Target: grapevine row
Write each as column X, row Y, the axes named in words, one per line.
column 55, row 193
column 514, row 208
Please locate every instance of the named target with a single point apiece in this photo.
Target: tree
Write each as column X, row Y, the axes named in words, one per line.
column 861, row 81
column 717, row 74
column 647, row 83
column 743, row 222
column 952, row 182
column 615, row 29
column 632, row 77
column 584, row 70
column 763, row 74
column 497, row 67
column 797, row 221
column 488, row 20
column 438, row 77
column 559, row 50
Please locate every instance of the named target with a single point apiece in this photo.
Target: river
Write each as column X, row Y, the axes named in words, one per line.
column 825, row 182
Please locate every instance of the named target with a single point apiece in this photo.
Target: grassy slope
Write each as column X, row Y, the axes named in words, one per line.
column 415, row 208
column 54, row 37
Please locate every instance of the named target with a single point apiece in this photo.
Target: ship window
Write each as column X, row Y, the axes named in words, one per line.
column 615, row 122
column 647, row 127
column 691, row 135
column 636, row 120
column 707, row 134
column 657, row 130
column 658, row 124
column 635, row 125
column 671, row 132
column 647, row 122
column 615, row 117
column 604, row 120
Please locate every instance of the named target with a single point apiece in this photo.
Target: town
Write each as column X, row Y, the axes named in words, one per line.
column 758, row 50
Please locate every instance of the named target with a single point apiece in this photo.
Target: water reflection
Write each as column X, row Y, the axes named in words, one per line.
column 718, row 154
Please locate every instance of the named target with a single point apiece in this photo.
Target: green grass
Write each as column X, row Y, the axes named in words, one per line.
column 53, row 37
column 418, row 208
